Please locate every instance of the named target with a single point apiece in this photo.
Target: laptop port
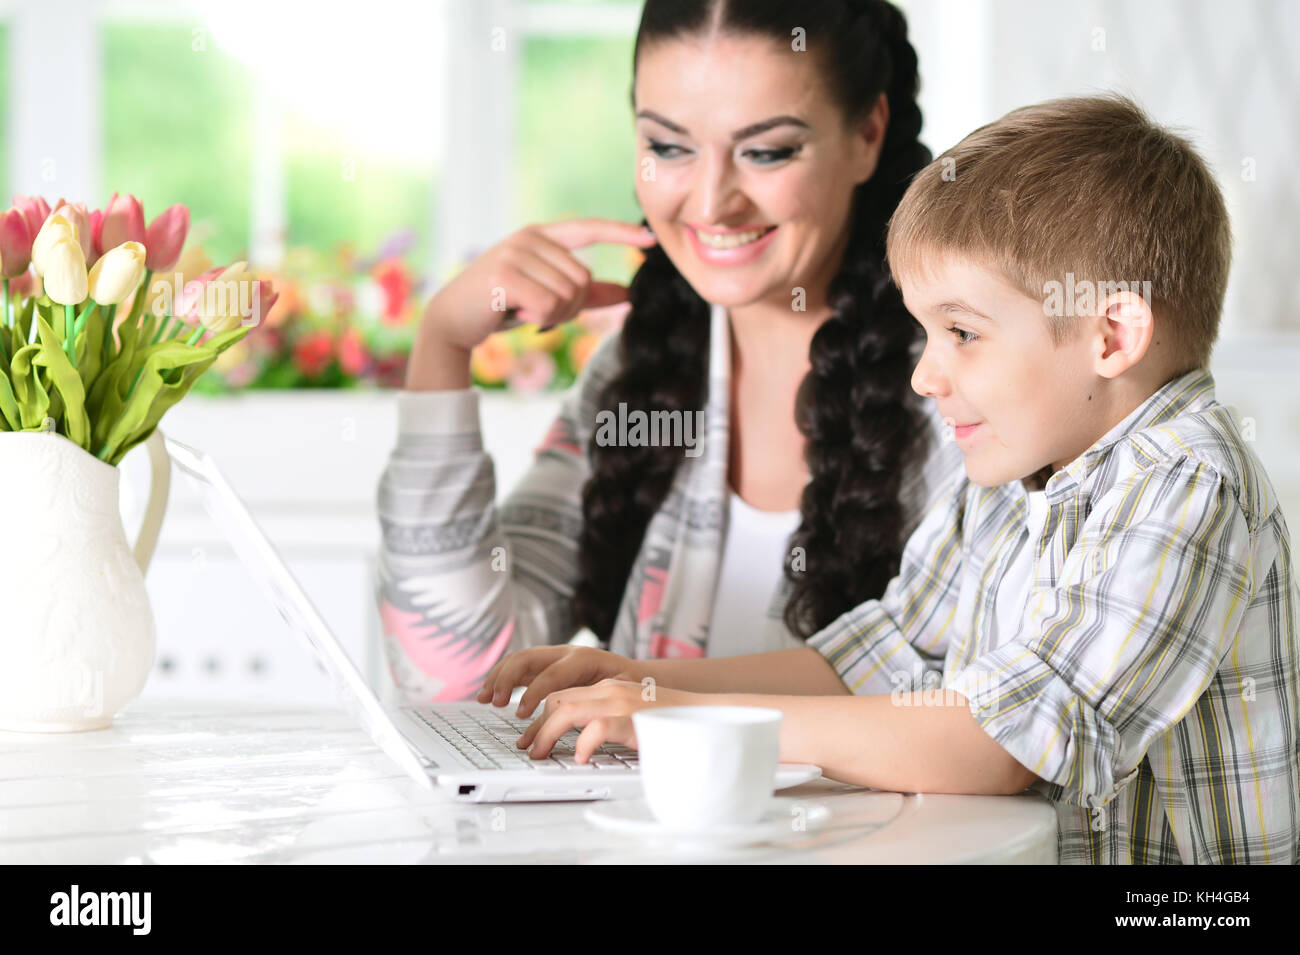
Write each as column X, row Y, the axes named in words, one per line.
column 466, row 790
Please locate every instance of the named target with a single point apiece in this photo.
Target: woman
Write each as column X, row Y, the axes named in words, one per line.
column 773, row 145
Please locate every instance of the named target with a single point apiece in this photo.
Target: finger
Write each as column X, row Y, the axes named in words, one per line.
column 576, row 233
column 545, row 273
column 603, row 729
column 532, row 301
column 557, row 255
column 560, row 675
column 518, row 669
column 605, row 294
column 562, row 719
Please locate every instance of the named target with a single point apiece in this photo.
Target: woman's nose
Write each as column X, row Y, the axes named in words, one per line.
column 719, row 199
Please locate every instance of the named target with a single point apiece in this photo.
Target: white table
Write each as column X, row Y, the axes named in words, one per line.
column 218, row 783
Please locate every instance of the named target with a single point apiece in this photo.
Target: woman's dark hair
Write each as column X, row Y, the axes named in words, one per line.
column 855, row 406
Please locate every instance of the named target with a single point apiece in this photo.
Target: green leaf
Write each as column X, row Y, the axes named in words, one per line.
column 12, row 417
column 67, row 382
column 33, row 400
column 154, row 392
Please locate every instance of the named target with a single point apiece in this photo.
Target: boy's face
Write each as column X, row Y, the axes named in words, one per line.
column 990, row 364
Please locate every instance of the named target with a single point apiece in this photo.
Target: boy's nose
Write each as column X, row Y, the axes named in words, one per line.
column 927, row 379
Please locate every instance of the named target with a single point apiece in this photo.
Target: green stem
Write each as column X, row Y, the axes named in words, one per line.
column 107, row 346
column 81, row 319
column 9, row 312
column 198, row 333
column 162, row 327
column 69, row 334
column 141, row 294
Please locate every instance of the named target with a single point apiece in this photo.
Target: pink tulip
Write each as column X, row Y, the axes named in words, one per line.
column 35, row 210
column 265, row 299
column 123, row 222
column 75, row 212
column 27, row 285
column 164, row 238
column 15, row 243
column 96, row 230
column 189, row 304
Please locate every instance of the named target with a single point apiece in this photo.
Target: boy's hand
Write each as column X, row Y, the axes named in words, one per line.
column 547, row 669
column 604, row 711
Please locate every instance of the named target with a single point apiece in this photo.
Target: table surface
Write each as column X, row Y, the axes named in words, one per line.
column 174, row 782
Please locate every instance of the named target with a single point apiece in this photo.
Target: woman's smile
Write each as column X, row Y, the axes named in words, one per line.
column 732, row 246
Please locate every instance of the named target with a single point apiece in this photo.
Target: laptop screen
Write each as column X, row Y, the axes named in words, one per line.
column 268, row 569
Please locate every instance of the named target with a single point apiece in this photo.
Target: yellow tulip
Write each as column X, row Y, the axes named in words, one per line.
column 65, row 272
column 56, row 227
column 116, row 274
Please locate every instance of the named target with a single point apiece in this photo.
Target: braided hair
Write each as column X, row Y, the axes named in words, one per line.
column 854, row 407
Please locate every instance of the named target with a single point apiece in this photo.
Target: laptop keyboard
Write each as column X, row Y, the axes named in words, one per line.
column 487, row 739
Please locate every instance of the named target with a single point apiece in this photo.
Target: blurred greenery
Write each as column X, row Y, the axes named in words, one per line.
column 576, row 143
column 177, row 129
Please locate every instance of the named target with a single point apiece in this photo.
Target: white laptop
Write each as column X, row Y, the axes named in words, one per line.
column 467, row 748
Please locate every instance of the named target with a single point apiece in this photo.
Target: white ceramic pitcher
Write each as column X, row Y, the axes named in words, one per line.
column 76, row 627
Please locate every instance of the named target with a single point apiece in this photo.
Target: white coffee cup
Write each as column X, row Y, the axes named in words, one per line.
column 706, row 766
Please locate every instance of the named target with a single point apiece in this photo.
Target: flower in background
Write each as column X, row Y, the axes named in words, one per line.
column 396, row 284
column 582, row 349
column 491, row 360
column 532, row 372
column 353, row 355
column 313, row 353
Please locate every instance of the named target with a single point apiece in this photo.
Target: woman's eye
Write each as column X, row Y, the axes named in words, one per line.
column 768, row 156
column 959, row 332
column 658, row 148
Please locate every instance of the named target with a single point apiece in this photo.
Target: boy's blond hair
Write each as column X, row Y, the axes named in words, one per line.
column 1088, row 186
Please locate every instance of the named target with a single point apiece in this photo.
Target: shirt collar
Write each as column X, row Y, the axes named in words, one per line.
column 1190, row 391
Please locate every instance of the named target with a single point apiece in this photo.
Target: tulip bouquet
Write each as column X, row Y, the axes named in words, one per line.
column 78, row 353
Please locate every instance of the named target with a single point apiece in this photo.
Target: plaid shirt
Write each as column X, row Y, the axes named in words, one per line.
column 1152, row 685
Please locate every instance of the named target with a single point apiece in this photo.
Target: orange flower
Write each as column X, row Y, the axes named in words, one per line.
column 491, row 360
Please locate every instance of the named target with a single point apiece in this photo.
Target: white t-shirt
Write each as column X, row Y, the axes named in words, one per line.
column 753, row 562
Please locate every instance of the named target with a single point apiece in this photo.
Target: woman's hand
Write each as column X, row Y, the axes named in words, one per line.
column 604, row 711
column 547, row 669
column 533, row 272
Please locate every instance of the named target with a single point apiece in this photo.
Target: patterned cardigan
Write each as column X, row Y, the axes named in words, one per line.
column 462, row 581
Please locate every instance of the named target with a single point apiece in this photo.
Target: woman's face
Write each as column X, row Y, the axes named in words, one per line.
column 740, row 146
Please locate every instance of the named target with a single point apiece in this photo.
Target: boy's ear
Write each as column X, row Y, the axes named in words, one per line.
column 1125, row 329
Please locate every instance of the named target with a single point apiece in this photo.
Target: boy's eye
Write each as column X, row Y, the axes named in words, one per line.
column 959, row 332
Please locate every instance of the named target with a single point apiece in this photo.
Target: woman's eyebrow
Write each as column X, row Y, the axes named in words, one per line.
column 751, row 130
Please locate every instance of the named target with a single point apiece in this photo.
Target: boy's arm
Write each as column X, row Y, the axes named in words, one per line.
column 879, row 646
column 1149, row 602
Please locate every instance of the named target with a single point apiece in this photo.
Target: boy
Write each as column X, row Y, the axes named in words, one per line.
column 1106, row 599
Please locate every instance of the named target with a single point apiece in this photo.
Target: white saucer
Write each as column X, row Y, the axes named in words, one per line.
column 785, row 818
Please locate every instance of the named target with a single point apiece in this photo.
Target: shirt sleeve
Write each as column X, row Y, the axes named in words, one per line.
column 1146, row 607
column 898, row 643
column 461, row 581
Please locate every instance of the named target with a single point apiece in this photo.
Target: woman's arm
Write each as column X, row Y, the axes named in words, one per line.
column 462, row 581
